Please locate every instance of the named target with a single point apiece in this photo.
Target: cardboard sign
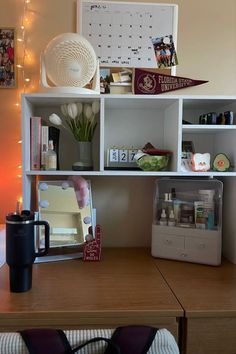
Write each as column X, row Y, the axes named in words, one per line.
column 151, row 83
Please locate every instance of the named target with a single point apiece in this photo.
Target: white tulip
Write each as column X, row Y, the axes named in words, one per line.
column 95, row 107
column 88, row 111
column 72, row 110
column 55, row 119
column 64, row 109
column 79, row 107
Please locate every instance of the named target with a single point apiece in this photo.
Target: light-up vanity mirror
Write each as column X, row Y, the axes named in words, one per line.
column 69, row 224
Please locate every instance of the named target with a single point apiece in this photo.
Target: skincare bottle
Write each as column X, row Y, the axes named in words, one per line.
column 175, row 206
column 173, row 194
column 163, row 219
column 177, row 210
column 200, row 219
column 51, row 157
column 167, row 203
column 171, row 220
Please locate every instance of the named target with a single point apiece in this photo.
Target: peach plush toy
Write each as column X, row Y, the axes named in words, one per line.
column 201, row 162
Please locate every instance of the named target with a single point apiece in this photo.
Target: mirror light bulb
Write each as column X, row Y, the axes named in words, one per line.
column 65, row 185
column 87, row 219
column 43, row 186
column 44, row 203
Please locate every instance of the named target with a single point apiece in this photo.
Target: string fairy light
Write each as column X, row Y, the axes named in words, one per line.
column 21, row 60
column 22, row 39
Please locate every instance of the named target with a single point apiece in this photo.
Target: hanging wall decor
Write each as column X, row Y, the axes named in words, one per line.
column 121, row 32
column 152, row 83
column 7, row 58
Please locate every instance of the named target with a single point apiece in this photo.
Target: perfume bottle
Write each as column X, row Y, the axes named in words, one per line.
column 50, row 157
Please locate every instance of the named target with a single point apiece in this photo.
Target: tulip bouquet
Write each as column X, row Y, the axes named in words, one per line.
column 79, row 119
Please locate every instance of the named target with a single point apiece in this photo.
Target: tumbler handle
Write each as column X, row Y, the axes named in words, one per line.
column 43, row 252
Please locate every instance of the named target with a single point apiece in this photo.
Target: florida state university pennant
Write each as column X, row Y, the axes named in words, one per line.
column 151, row 83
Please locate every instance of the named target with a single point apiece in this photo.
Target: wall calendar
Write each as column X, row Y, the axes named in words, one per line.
column 121, row 32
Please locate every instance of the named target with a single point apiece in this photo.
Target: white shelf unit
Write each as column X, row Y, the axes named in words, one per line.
column 214, row 139
column 133, row 120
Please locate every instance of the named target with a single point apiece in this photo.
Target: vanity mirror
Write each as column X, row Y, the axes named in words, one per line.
column 69, row 224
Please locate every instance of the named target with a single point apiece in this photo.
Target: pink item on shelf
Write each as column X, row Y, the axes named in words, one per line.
column 81, row 190
column 92, row 249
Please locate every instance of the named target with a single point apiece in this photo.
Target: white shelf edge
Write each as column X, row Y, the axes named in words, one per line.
column 159, row 96
column 131, row 173
column 62, row 173
column 195, row 128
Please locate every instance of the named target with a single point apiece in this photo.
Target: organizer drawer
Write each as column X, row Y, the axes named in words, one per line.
column 171, row 241
column 200, row 244
column 190, row 245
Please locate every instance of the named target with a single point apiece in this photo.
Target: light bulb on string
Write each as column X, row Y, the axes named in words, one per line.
column 24, row 59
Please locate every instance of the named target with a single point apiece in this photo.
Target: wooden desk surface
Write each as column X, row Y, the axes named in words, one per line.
column 203, row 291
column 125, row 285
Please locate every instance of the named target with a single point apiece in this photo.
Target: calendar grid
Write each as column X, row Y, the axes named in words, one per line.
column 121, row 32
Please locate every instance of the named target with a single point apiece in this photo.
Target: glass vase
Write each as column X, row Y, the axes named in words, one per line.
column 85, row 161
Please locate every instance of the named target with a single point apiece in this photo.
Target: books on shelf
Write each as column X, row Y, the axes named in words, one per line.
column 54, row 134
column 120, row 87
column 35, row 142
column 44, row 144
column 39, row 137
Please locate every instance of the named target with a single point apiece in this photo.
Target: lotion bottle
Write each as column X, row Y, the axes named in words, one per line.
column 51, row 157
column 163, row 219
column 171, row 220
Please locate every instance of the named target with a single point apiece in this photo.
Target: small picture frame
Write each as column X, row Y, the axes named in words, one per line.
column 105, row 80
column 187, row 149
column 7, row 58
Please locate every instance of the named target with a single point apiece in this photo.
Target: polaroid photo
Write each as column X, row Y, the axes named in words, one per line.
column 165, row 52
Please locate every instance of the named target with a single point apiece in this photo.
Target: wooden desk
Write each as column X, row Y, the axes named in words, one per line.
column 124, row 288
column 208, row 296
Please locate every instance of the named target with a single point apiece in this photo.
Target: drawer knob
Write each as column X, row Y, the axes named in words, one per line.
column 202, row 245
column 183, row 255
column 168, row 242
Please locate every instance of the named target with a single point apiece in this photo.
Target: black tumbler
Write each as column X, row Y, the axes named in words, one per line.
column 20, row 248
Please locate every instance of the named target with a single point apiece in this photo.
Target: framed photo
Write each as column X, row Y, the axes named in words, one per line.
column 105, row 80
column 7, row 58
column 187, row 149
